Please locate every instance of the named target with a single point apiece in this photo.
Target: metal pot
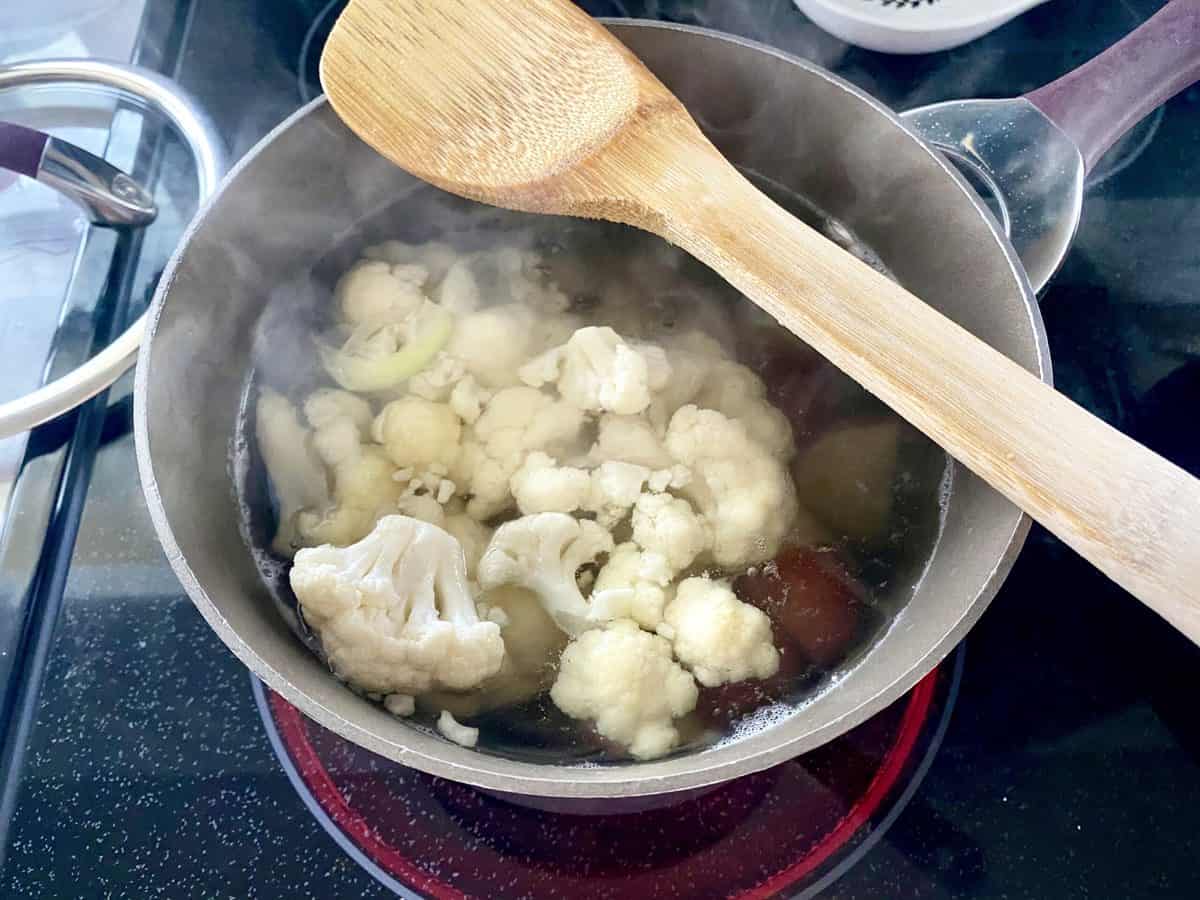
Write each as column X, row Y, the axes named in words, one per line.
column 770, row 113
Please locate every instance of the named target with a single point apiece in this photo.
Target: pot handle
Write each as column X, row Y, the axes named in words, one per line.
column 108, row 196
column 198, row 132
column 1106, row 96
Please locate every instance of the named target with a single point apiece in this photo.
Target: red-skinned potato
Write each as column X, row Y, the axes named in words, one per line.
column 812, row 599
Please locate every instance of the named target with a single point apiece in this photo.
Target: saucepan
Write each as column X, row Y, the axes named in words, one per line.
column 780, row 117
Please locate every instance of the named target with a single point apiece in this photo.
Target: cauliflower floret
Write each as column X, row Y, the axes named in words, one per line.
column 676, row 477
column 485, row 478
column 467, row 399
column 532, row 644
column 363, row 490
column 375, row 293
column 541, row 485
column 492, row 343
column 743, row 491
column 614, row 488
column 691, row 356
column 521, row 271
column 295, row 469
column 400, row 705
column 327, row 406
column 472, row 536
column 516, row 421
column 394, row 612
column 543, row 553
column 521, row 418
column 435, row 256
column 716, row 635
column 452, row 729
column 632, row 585
column 437, row 381
column 425, row 508
column 668, row 525
column 624, row 679
column 598, row 371
column 340, row 421
column 418, row 433
column 364, row 486
column 740, row 394
column 629, row 439
column 459, row 291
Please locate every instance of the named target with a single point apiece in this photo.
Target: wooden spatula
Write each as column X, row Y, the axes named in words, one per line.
column 531, row 105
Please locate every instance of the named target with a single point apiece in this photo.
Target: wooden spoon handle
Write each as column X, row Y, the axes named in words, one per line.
column 1130, row 512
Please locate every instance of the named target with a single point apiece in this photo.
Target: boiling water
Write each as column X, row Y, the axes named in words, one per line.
column 643, row 288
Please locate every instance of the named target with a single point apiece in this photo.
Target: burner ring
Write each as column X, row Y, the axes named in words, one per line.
column 363, row 800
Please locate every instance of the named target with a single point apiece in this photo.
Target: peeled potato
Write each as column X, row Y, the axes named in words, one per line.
column 532, row 642
column 845, row 476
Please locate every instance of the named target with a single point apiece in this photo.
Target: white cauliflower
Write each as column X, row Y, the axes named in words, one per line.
column 613, row 489
column 485, row 478
column 624, row 679
column 340, row 420
column 453, row 730
column 524, row 419
column 716, row 635
column 296, row 472
column 633, row 584
column 459, row 291
column 417, row 432
column 329, row 406
column 669, row 526
column 400, row 705
column 425, row 508
column 467, row 399
column 376, row 293
column 493, row 343
column 541, row 485
column 740, row 394
column 364, row 486
column 543, row 553
column 691, row 356
column 629, row 439
column 394, row 612
column 676, row 478
column 522, row 273
column 598, row 371
column 437, row 381
column 435, row 256
column 515, row 422
column 743, row 490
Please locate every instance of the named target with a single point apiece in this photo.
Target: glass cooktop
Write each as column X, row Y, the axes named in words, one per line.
column 1056, row 755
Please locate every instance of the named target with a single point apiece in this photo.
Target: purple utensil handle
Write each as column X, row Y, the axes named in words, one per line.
column 1105, row 97
column 109, row 197
column 21, row 149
